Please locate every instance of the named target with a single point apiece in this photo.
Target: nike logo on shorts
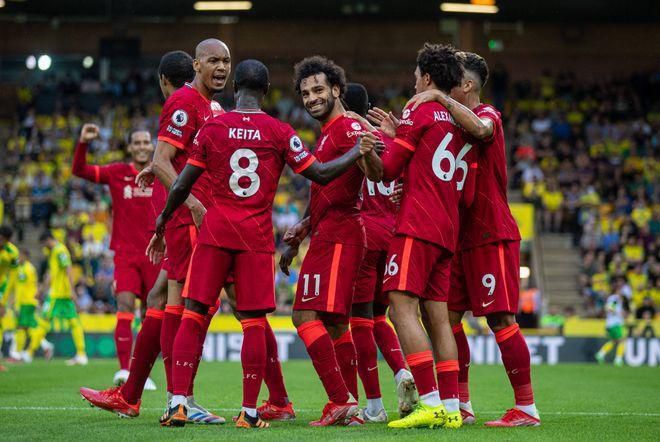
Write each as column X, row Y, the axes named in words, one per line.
column 307, row 299
column 371, row 368
column 486, row 304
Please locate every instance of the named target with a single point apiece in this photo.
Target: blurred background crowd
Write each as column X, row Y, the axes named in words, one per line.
column 585, row 154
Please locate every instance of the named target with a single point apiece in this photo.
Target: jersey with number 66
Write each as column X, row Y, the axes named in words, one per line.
column 244, row 154
column 431, row 151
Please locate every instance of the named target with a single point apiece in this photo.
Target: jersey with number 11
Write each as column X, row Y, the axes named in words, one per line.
column 244, row 154
column 431, row 151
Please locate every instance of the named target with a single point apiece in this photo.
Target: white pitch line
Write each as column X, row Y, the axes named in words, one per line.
column 309, row 410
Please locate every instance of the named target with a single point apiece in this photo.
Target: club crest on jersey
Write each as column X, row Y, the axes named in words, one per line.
column 406, row 114
column 295, row 144
column 356, row 126
column 179, row 118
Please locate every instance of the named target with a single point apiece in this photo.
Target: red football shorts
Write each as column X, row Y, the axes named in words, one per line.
column 486, row 279
column 134, row 273
column 369, row 285
column 327, row 277
column 418, row 267
column 254, row 277
column 180, row 242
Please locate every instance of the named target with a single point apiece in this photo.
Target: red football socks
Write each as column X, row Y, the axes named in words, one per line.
column 388, row 344
column 515, row 356
column 171, row 322
column 463, row 362
column 347, row 360
column 277, row 394
column 185, row 356
column 322, row 352
column 365, row 345
column 253, row 359
column 200, row 349
column 447, row 372
column 124, row 338
column 147, row 347
column 421, row 367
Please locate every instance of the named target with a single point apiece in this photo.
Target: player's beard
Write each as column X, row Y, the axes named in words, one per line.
column 329, row 106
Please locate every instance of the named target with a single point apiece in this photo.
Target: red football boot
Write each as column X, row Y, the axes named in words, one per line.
column 271, row 412
column 110, row 400
column 337, row 414
column 515, row 418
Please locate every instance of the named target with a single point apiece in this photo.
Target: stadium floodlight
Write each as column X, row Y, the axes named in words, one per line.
column 88, row 62
column 223, row 6
column 525, row 272
column 469, row 8
column 44, row 62
column 31, row 62
column 2, row 3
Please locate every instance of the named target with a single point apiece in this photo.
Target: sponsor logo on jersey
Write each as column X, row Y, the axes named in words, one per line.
column 174, row 131
column 179, row 118
column 300, row 156
column 295, row 144
column 237, row 133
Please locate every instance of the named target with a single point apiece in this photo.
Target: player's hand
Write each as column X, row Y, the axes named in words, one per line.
column 88, row 133
column 156, row 249
column 368, row 142
column 425, row 97
column 286, row 259
column 146, row 177
column 197, row 210
column 397, row 194
column 386, row 121
column 297, row 233
column 363, row 121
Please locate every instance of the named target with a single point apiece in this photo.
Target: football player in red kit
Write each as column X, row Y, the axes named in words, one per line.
column 134, row 273
column 243, row 153
column 431, row 153
column 485, row 272
column 324, row 294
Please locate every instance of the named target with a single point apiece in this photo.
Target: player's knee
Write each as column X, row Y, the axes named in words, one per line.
column 362, row 310
column 299, row 317
column 125, row 302
column 499, row 321
column 157, row 299
column 455, row 318
column 196, row 306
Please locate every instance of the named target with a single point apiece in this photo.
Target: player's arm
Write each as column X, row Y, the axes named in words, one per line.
column 370, row 163
column 80, row 168
column 164, row 171
column 323, row 173
column 179, row 193
column 480, row 128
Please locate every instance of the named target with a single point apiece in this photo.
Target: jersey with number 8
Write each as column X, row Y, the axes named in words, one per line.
column 244, row 154
column 432, row 153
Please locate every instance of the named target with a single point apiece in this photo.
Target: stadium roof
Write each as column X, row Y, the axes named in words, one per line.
column 509, row 10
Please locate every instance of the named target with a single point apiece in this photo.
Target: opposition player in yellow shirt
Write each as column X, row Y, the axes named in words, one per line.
column 8, row 264
column 25, row 288
column 62, row 305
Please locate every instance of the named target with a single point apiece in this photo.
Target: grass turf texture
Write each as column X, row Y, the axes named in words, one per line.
column 577, row 402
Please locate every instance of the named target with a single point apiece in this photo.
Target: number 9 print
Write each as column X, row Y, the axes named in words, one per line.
column 488, row 281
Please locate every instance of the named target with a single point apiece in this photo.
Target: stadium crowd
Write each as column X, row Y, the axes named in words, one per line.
column 586, row 154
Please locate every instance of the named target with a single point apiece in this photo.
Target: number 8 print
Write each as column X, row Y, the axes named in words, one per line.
column 240, row 172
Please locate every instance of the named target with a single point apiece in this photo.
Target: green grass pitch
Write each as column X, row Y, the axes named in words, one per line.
column 577, row 402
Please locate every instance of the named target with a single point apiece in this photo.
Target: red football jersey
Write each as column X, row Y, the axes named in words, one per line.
column 335, row 207
column 431, row 151
column 378, row 213
column 183, row 115
column 489, row 218
column 244, row 154
column 131, row 206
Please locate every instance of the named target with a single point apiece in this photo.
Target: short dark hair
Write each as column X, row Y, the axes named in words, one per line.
column 253, row 75
column 46, row 234
column 442, row 63
column 356, row 98
column 6, row 232
column 177, row 67
column 476, row 63
column 318, row 64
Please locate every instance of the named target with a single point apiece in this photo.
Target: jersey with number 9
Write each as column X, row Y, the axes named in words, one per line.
column 432, row 153
column 244, row 154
